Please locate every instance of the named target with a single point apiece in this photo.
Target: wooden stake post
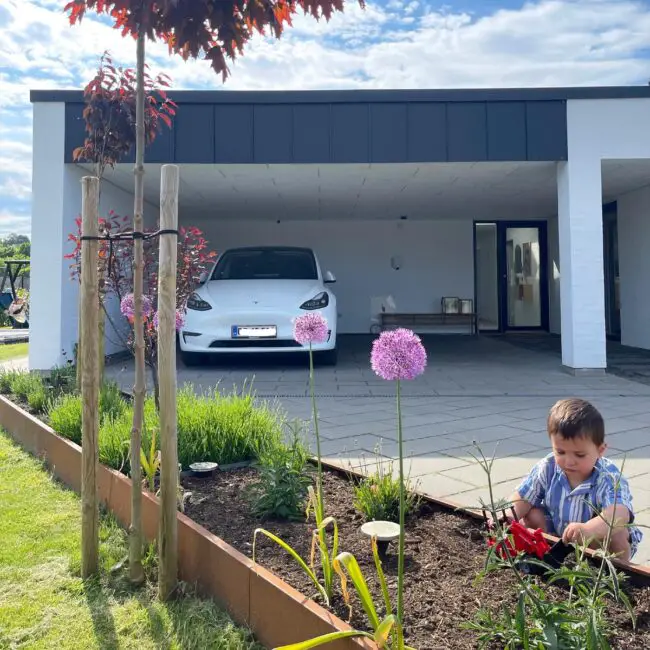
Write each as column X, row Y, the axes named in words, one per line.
column 89, row 360
column 168, row 535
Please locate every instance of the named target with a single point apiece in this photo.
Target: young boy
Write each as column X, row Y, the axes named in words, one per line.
column 554, row 495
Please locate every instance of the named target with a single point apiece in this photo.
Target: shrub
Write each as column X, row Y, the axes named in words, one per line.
column 282, row 489
column 111, row 401
column 65, row 417
column 115, row 435
column 24, row 383
column 38, row 398
column 7, row 378
column 63, row 379
column 376, row 497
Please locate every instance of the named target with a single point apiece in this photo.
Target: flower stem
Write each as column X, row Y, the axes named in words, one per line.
column 400, row 566
column 319, row 483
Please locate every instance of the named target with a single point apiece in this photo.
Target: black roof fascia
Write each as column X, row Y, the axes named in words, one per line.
column 384, row 96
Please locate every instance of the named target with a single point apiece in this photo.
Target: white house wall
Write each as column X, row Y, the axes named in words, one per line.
column 633, row 216
column 56, row 202
column 435, row 259
column 596, row 130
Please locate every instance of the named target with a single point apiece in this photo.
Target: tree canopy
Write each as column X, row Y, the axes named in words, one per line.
column 215, row 28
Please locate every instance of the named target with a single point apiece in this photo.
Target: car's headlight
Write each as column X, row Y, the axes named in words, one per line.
column 197, row 303
column 317, row 302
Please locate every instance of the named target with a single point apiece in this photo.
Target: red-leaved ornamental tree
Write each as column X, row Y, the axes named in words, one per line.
column 109, row 114
column 216, row 29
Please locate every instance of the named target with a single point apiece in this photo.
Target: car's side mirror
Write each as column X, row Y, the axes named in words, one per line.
column 329, row 278
column 203, row 277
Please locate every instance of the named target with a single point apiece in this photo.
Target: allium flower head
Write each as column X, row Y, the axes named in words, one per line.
column 398, row 354
column 180, row 320
column 310, row 328
column 127, row 306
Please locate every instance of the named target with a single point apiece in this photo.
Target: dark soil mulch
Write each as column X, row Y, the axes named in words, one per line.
column 445, row 553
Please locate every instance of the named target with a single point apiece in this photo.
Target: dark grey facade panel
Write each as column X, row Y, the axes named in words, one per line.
column 388, row 133
column 193, row 133
column 233, row 133
column 311, row 133
column 506, row 131
column 353, row 133
column 467, row 132
column 273, row 134
column 427, row 132
column 350, row 133
column 546, row 131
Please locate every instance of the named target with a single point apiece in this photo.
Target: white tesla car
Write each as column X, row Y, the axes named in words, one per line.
column 250, row 299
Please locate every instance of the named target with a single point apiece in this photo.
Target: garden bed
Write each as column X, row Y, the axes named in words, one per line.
column 445, row 552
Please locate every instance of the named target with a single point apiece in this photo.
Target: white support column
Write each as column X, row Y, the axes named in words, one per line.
column 55, row 198
column 582, row 297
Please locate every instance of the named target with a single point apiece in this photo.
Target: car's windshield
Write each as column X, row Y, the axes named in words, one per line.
column 266, row 263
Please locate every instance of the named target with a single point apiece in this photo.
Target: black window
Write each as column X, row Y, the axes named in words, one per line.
column 266, row 263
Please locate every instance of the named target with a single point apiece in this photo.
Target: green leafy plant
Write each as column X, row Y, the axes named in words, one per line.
column 282, row 488
column 7, row 378
column 38, row 398
column 319, row 540
column 23, row 383
column 65, row 417
column 539, row 620
column 150, row 462
column 377, row 496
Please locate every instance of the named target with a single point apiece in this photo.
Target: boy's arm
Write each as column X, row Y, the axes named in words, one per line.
column 597, row 527
column 520, row 505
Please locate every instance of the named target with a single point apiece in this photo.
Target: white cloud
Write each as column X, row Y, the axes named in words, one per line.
column 396, row 44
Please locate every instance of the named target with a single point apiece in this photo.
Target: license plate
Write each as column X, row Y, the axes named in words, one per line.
column 254, row 331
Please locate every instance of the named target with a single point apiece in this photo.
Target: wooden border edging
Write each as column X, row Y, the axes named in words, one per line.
column 254, row 597
column 639, row 574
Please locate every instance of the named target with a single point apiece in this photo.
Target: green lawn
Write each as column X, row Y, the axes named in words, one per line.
column 13, row 351
column 45, row 604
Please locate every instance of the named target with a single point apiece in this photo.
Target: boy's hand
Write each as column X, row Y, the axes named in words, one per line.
column 574, row 532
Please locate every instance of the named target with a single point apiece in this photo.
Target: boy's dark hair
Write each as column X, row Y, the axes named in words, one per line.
column 576, row 418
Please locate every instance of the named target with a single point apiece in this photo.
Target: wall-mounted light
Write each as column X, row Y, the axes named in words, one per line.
column 396, row 262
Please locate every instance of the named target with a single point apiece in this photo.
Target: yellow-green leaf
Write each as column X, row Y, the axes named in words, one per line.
column 320, row 640
column 294, row 555
column 354, row 571
column 383, row 631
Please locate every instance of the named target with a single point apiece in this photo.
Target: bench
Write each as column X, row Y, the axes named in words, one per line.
column 450, row 314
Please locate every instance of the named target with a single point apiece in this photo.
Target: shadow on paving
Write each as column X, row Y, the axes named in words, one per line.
column 622, row 360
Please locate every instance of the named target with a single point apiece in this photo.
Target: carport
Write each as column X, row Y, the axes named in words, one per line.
column 406, row 196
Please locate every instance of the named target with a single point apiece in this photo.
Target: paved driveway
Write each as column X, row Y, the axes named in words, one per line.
column 495, row 391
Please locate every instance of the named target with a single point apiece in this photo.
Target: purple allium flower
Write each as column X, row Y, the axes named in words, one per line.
column 127, row 306
column 180, row 320
column 398, row 354
column 310, row 328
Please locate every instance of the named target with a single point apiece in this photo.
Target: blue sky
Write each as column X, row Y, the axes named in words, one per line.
column 392, row 44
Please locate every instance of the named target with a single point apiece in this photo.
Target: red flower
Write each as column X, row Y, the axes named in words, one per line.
column 522, row 540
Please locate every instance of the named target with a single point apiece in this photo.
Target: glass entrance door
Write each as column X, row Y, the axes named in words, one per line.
column 510, row 275
column 523, row 277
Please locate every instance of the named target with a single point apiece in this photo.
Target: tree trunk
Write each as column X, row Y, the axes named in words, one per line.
column 89, row 307
column 136, row 572
column 168, row 531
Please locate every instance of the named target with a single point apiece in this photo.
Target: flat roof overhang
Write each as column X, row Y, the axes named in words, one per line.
column 368, row 192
